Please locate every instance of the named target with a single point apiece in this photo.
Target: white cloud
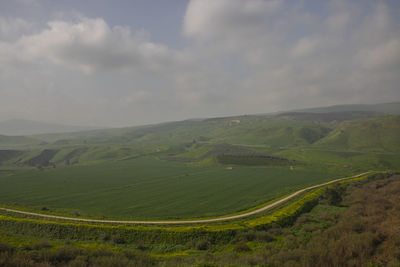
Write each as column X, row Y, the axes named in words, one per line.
column 383, row 56
column 90, row 44
column 205, row 19
column 305, row 46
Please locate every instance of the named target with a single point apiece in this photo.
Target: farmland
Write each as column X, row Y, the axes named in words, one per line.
column 150, row 188
column 189, row 169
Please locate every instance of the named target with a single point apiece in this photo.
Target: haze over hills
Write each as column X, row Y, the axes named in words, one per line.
column 28, row 127
column 383, row 108
column 273, row 129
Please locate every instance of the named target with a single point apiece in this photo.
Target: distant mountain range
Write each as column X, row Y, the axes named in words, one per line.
column 27, row 127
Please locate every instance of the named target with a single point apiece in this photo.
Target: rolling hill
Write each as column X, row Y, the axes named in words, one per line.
column 372, row 134
column 209, row 140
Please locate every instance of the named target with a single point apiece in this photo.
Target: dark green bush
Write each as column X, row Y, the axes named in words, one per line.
column 241, row 247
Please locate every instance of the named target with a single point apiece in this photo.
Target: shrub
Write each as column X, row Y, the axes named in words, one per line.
column 140, row 245
column 264, row 237
column 118, row 239
column 241, row 247
column 41, row 245
column 203, row 245
column 334, row 195
column 104, row 236
column 5, row 248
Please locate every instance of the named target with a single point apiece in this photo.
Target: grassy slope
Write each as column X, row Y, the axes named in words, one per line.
column 10, row 142
column 372, row 134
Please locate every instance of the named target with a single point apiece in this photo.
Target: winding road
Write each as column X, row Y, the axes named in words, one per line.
column 225, row 218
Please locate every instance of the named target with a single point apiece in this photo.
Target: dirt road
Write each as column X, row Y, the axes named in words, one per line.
column 225, row 218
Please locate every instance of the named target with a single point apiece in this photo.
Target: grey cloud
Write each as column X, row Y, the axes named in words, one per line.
column 289, row 66
column 12, row 28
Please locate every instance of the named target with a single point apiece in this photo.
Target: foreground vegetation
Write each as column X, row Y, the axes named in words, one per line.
column 350, row 224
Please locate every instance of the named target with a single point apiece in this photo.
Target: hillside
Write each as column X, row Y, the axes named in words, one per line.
column 328, row 116
column 190, row 141
column 11, row 141
column 372, row 134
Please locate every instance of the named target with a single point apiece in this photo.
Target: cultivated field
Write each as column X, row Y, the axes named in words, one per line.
column 150, row 188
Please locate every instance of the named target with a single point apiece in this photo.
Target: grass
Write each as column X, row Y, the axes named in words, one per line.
column 149, row 188
column 371, row 134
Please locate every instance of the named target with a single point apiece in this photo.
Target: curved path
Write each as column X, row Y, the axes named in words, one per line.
column 225, row 218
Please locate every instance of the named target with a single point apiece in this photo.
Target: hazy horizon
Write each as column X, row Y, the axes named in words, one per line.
column 92, row 127
column 128, row 63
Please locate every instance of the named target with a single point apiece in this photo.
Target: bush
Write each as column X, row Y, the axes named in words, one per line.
column 264, row 237
column 206, row 264
column 104, row 236
column 41, row 245
column 334, row 195
column 59, row 255
column 5, row 248
column 203, row 245
column 140, row 245
column 241, row 247
column 119, row 239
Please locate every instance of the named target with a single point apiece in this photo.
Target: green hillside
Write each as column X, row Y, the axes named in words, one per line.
column 18, row 141
column 372, row 134
column 190, row 141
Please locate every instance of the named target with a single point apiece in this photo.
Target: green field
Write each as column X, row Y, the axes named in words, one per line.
column 149, row 188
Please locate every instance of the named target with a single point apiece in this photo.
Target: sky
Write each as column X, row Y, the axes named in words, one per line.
column 130, row 62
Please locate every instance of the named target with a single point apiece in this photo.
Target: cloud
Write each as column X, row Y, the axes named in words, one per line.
column 383, row 56
column 90, row 45
column 294, row 56
column 305, row 46
column 240, row 57
column 207, row 19
column 11, row 28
